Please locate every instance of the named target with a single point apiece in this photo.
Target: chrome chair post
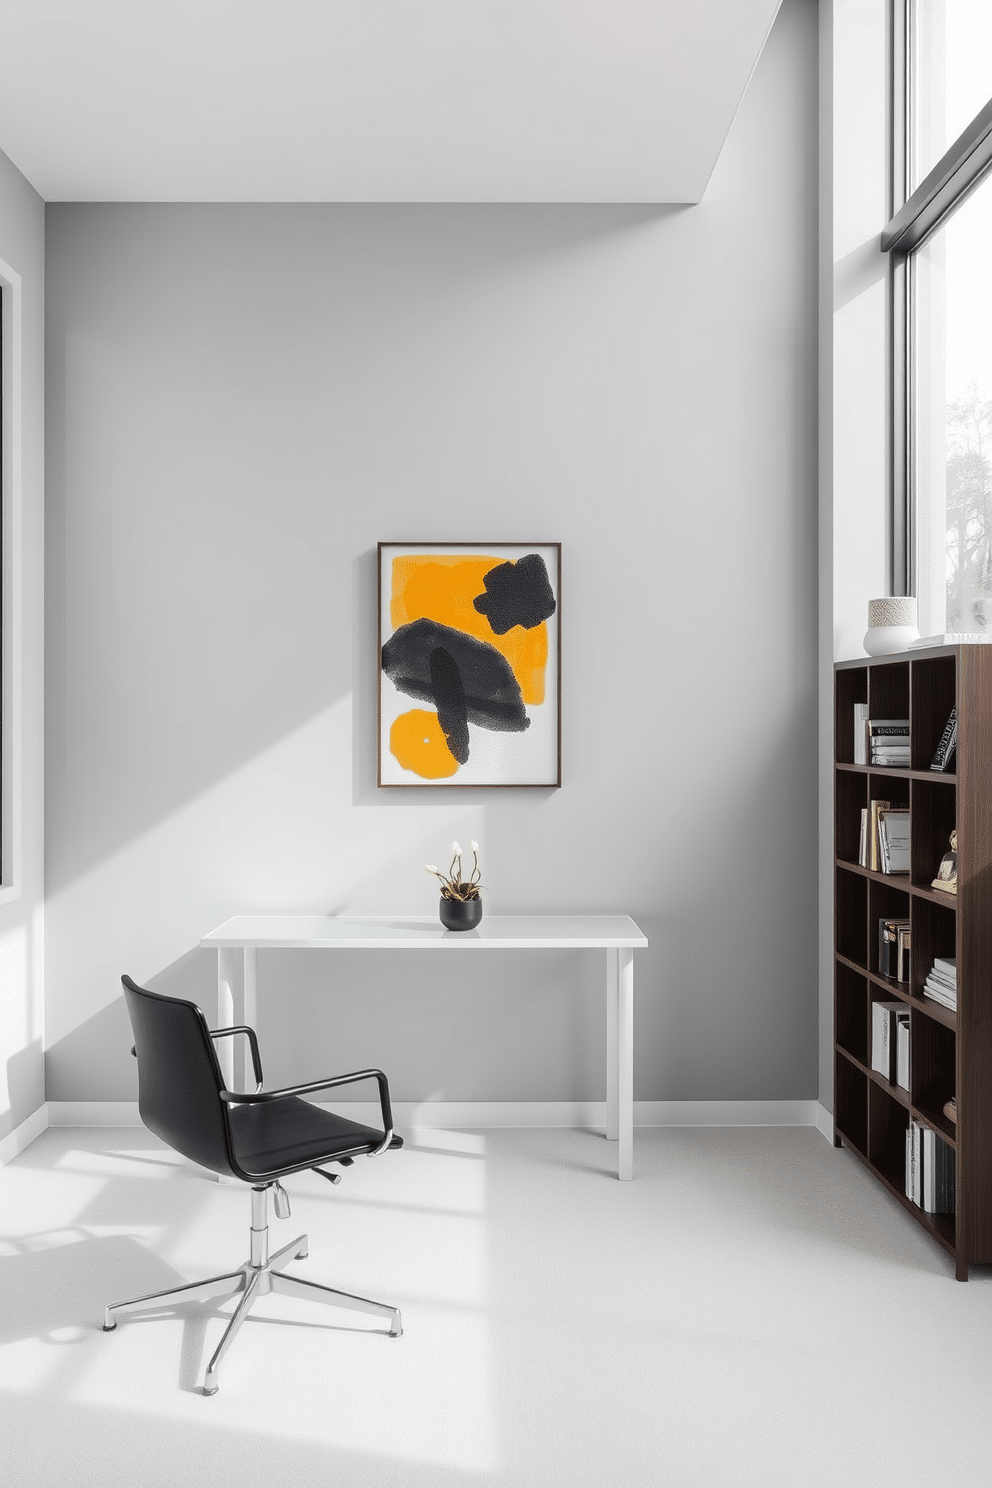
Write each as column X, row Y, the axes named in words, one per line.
column 259, row 1227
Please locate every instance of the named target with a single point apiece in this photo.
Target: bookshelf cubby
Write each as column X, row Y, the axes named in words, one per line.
column 852, row 1022
column 951, row 1051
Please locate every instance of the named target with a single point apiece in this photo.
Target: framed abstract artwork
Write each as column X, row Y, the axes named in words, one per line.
column 469, row 664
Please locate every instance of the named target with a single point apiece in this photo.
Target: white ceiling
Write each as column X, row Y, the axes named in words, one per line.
column 373, row 100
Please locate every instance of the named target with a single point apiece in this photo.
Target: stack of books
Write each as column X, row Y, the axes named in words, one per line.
column 894, row 944
column 929, row 1170
column 889, row 741
column 885, row 842
column 890, row 1042
column 942, row 983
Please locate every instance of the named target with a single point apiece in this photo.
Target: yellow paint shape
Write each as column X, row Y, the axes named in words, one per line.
column 441, row 588
column 417, row 741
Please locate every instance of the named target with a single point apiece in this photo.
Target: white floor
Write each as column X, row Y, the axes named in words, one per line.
column 751, row 1310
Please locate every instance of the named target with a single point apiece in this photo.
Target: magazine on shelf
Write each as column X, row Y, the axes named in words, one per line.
column 883, row 1038
column 873, row 809
column 936, row 993
column 861, row 733
column 938, row 1174
column 902, row 1048
column 914, row 1161
column 894, row 842
column 948, row 743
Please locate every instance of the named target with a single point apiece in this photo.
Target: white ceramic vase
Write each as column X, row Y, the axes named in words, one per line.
column 892, row 625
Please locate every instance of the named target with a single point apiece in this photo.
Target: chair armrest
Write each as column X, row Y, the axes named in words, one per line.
column 311, row 1088
column 256, row 1059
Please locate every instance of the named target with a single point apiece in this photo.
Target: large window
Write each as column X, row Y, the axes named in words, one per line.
column 949, row 71
column 940, row 242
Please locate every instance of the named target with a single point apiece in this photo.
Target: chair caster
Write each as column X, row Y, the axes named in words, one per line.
column 110, row 1327
column 210, row 1389
column 397, row 1334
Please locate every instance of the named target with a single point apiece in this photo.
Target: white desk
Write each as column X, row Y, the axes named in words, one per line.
column 244, row 935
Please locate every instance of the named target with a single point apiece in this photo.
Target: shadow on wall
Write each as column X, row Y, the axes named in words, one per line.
column 94, row 1063
column 443, row 1026
column 857, row 271
column 726, row 991
column 25, row 1086
column 457, row 372
column 286, row 437
column 70, row 1061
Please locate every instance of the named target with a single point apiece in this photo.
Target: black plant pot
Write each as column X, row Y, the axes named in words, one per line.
column 460, row 914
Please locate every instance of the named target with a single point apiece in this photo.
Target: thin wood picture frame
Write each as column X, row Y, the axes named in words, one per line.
column 468, row 665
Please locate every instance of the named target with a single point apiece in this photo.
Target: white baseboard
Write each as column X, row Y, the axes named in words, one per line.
column 494, row 1114
column 825, row 1122
column 724, row 1113
column 93, row 1113
column 22, row 1136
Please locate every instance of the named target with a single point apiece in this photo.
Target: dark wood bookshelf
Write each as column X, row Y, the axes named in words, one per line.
column 951, row 1053
column 895, row 1091
column 946, row 777
column 899, row 880
column 940, row 1226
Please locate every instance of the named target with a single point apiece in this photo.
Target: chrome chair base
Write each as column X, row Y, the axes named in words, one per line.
column 256, row 1278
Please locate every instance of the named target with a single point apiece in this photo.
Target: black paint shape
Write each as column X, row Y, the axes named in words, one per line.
column 491, row 692
column 517, row 594
column 449, row 698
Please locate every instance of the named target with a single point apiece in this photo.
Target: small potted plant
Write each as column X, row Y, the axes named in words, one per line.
column 461, row 902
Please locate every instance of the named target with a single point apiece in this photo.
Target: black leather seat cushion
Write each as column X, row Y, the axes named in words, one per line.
column 291, row 1133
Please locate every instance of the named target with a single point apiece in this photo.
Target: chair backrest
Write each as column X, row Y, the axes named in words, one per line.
column 179, row 1078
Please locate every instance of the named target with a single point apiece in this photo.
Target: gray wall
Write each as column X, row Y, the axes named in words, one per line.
column 22, row 249
column 241, row 402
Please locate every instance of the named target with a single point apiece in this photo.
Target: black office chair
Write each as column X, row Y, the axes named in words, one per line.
column 259, row 1138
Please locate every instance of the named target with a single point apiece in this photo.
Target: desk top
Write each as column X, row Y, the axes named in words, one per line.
column 425, row 932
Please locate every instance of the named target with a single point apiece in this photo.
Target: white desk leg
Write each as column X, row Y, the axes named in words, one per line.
column 625, row 1064
column 226, row 982
column 612, row 1007
column 246, row 1074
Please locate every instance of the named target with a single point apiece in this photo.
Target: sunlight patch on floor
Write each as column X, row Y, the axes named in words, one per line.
column 119, row 1164
column 128, row 1220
